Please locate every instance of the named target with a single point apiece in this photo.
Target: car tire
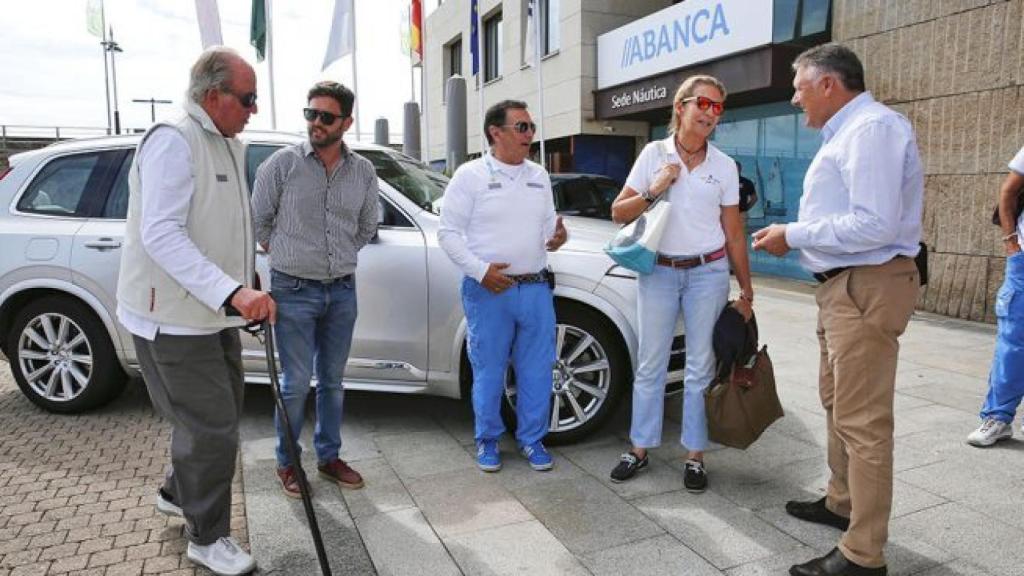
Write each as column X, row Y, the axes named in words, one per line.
column 61, row 356
column 603, row 355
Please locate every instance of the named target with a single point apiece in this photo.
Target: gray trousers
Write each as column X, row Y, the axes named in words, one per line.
column 196, row 383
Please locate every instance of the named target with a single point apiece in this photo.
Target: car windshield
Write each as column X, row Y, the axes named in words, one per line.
column 414, row 180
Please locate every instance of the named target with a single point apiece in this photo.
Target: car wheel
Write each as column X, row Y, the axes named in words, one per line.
column 590, row 374
column 62, row 357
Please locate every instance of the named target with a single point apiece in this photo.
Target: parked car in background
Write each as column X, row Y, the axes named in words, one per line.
column 589, row 195
column 62, row 231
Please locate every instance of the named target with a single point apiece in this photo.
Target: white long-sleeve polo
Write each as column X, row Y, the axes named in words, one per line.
column 863, row 191
column 497, row 213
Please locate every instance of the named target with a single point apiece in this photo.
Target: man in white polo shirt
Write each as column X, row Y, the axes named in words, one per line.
column 497, row 221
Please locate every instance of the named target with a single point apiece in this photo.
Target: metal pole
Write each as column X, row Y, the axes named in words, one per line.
column 540, row 78
column 355, row 74
column 114, row 48
column 152, row 106
column 481, row 75
column 268, row 10
column 106, row 73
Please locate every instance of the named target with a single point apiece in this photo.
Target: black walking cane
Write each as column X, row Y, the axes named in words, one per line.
column 267, row 331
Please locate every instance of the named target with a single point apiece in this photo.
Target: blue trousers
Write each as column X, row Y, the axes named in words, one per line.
column 518, row 323
column 1006, row 379
column 313, row 331
column 700, row 294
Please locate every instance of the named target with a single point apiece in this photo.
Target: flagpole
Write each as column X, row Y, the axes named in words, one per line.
column 106, row 72
column 540, row 79
column 268, row 12
column 480, row 76
column 355, row 74
column 425, row 148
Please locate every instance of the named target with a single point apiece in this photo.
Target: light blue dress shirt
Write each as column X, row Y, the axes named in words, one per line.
column 863, row 191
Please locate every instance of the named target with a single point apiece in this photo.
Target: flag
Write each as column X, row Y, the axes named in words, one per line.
column 209, row 23
column 474, row 45
column 94, row 17
column 531, row 35
column 404, row 34
column 258, row 29
column 340, row 42
column 416, row 32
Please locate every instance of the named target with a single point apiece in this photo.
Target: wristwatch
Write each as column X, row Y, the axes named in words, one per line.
column 646, row 195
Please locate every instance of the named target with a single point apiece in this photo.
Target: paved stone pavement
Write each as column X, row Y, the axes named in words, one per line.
column 77, row 492
column 426, row 509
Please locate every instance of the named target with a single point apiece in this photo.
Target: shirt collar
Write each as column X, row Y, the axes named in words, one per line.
column 836, row 122
column 307, row 149
column 508, row 170
column 199, row 115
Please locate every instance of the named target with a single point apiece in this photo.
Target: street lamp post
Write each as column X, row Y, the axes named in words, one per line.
column 152, row 106
column 113, row 48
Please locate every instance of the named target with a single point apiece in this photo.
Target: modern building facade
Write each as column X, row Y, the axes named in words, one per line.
column 611, row 67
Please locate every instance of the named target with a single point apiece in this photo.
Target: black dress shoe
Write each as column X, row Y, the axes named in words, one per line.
column 834, row 564
column 817, row 512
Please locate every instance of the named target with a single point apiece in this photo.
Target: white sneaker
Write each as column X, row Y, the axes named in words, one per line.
column 166, row 506
column 223, row 557
column 990, row 432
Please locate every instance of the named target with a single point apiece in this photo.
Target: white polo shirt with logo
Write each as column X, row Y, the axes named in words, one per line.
column 697, row 197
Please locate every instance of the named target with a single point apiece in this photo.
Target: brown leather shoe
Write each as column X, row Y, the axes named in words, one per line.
column 289, row 482
column 341, row 473
column 834, row 564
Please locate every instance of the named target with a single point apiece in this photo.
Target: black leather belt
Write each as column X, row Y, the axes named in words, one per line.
column 827, row 275
column 691, row 262
column 329, row 281
column 535, row 278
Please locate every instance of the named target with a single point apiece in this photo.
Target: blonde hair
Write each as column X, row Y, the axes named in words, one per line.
column 687, row 89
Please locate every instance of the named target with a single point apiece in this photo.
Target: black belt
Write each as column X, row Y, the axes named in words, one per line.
column 827, row 275
column 535, row 278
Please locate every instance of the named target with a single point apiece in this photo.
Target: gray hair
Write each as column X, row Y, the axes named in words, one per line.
column 212, row 71
column 834, row 59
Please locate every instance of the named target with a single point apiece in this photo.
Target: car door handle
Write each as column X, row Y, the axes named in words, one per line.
column 103, row 244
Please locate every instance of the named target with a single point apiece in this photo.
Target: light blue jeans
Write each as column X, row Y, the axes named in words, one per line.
column 518, row 325
column 313, row 331
column 700, row 293
column 1006, row 379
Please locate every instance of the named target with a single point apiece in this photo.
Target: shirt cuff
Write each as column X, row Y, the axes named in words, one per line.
column 216, row 296
column 481, row 271
column 797, row 235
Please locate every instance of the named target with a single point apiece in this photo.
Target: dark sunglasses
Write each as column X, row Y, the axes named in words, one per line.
column 522, row 127
column 326, row 118
column 704, row 103
column 247, row 100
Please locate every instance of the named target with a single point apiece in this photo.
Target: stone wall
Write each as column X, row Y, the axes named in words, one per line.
column 955, row 68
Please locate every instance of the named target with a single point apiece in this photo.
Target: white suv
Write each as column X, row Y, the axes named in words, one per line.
column 61, row 235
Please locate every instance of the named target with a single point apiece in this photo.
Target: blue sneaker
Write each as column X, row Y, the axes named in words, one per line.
column 538, row 456
column 488, row 457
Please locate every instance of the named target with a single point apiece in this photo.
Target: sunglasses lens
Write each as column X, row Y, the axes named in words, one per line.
column 524, row 127
column 248, row 100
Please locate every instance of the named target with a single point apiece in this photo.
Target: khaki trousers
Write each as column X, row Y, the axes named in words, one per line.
column 861, row 314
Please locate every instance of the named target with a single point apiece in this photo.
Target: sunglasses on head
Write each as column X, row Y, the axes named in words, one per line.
column 247, row 100
column 326, row 118
column 703, row 104
column 522, row 127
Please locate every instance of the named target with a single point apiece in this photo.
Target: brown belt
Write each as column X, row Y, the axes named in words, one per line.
column 691, row 262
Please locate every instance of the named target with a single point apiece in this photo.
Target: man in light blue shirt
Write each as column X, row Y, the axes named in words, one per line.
column 858, row 233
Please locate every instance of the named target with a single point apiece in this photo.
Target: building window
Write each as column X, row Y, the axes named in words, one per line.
column 796, row 19
column 550, row 35
column 492, row 47
column 547, row 15
column 452, row 64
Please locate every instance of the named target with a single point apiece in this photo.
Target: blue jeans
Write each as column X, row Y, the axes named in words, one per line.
column 518, row 323
column 700, row 293
column 1006, row 379
column 314, row 329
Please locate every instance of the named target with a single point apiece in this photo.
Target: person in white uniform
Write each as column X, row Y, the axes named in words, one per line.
column 497, row 221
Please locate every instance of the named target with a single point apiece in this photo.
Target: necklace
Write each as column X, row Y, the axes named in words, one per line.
column 688, row 156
